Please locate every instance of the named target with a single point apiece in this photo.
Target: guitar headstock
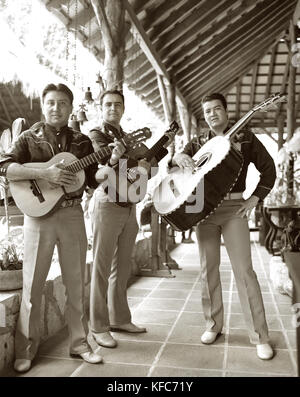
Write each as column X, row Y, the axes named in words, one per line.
column 172, row 131
column 137, row 136
column 270, row 103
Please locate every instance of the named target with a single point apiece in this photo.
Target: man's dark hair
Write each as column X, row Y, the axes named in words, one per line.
column 60, row 88
column 117, row 92
column 213, row 96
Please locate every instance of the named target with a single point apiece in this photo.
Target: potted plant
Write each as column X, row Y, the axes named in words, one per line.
column 11, row 245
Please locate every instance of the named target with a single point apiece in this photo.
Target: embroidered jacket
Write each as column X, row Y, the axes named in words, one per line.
column 41, row 142
column 254, row 152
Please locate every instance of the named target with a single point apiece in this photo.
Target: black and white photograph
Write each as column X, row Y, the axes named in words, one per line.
column 150, row 194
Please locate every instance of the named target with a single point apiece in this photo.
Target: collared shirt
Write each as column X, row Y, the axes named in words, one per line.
column 253, row 151
column 42, row 141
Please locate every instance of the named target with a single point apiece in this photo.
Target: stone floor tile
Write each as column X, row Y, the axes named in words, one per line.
column 160, row 371
column 193, row 305
column 292, row 338
column 162, row 304
column 190, row 318
column 138, row 292
column 145, row 282
column 169, row 293
column 247, row 374
column 192, row 356
column 246, row 360
column 155, row 333
column 240, row 338
column 191, row 334
column 134, row 302
column 132, row 352
column 178, row 285
column 156, row 316
column 111, row 370
column 284, row 308
column 52, row 367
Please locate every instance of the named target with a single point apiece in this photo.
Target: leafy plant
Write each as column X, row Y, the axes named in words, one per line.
column 9, row 254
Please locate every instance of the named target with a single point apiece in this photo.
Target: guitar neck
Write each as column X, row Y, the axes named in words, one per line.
column 156, row 147
column 239, row 124
column 90, row 159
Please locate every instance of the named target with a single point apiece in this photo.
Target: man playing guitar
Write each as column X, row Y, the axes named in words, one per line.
column 63, row 227
column 114, row 228
column 230, row 219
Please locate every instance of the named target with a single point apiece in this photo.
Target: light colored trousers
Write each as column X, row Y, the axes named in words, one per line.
column 236, row 237
column 114, row 233
column 64, row 228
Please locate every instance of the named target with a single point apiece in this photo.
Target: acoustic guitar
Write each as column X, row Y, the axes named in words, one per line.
column 185, row 197
column 127, row 183
column 39, row 198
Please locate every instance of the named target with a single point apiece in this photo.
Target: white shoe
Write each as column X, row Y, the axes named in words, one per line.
column 105, row 339
column 22, row 365
column 130, row 327
column 264, row 351
column 209, row 337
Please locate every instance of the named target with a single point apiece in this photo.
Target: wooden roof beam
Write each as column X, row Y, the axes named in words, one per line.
column 253, row 84
column 236, row 69
column 270, row 73
column 205, row 11
column 181, row 50
column 187, row 7
column 149, row 50
column 236, row 40
column 205, row 69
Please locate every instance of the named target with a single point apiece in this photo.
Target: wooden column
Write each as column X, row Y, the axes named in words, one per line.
column 111, row 19
column 167, row 93
column 186, row 122
column 280, row 128
column 291, row 86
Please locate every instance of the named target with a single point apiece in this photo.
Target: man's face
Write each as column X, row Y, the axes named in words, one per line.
column 215, row 115
column 112, row 109
column 57, row 108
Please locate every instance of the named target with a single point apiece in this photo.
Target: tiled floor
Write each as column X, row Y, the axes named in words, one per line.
column 170, row 308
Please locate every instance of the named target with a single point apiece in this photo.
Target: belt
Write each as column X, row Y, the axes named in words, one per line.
column 233, row 196
column 70, row 202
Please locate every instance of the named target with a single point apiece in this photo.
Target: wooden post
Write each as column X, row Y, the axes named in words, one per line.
column 280, row 127
column 111, row 19
column 186, row 122
column 291, row 86
column 291, row 113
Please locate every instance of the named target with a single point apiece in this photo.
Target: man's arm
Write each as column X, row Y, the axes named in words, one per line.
column 55, row 174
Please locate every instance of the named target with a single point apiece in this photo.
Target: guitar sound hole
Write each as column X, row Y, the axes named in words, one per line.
column 203, row 160
column 173, row 188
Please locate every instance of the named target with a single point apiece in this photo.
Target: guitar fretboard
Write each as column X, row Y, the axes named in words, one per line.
column 90, row 159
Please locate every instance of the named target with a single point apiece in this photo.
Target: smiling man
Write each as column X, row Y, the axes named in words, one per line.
column 230, row 220
column 63, row 228
column 114, row 228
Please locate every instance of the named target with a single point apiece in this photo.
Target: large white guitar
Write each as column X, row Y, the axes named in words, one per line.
column 39, row 198
column 218, row 164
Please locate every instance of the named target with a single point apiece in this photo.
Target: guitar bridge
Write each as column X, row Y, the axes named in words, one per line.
column 36, row 190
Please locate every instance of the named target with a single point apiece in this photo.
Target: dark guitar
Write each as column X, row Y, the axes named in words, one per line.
column 39, row 198
column 128, row 183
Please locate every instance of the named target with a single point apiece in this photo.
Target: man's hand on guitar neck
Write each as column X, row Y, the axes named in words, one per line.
column 118, row 150
column 183, row 161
